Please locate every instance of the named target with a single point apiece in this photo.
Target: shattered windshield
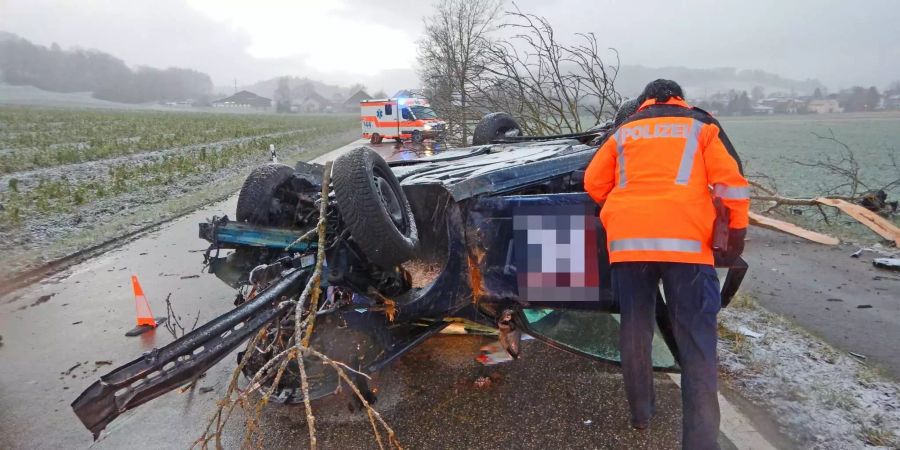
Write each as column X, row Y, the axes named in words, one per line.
column 593, row 333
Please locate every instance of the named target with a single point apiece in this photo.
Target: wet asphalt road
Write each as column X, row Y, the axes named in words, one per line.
column 847, row 301
column 60, row 335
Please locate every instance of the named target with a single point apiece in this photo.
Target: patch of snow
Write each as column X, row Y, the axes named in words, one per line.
column 822, row 397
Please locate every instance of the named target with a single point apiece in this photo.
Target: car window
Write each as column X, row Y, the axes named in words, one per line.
column 388, row 109
column 406, row 114
column 592, row 333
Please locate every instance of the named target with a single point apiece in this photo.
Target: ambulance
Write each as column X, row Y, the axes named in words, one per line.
column 398, row 119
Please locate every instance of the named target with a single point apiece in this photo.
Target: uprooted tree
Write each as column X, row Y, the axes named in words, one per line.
column 849, row 190
column 551, row 87
column 850, row 184
column 468, row 69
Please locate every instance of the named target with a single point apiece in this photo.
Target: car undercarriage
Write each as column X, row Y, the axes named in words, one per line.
column 469, row 214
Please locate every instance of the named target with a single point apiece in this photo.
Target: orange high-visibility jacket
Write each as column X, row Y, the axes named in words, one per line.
column 655, row 176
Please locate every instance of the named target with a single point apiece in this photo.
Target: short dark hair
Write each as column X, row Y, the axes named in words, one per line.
column 662, row 90
column 627, row 108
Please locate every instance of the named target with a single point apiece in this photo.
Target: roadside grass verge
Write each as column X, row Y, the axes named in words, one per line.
column 821, row 396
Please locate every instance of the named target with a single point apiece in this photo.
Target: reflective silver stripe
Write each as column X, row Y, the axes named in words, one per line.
column 732, row 193
column 687, row 155
column 664, row 244
column 620, row 151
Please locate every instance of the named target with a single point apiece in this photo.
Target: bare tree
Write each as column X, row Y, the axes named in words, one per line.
column 283, row 95
column 452, row 56
column 549, row 86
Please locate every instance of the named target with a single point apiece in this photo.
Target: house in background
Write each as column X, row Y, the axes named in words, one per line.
column 313, row 103
column 244, row 99
column 352, row 102
column 824, row 106
column 892, row 102
column 763, row 110
column 783, row 105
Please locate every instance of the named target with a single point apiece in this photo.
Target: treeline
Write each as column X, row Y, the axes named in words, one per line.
column 107, row 77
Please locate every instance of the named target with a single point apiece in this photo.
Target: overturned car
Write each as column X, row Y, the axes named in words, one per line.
column 501, row 234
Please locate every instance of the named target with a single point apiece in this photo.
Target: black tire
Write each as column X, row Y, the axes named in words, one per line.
column 418, row 137
column 374, row 207
column 495, row 126
column 258, row 192
column 375, row 138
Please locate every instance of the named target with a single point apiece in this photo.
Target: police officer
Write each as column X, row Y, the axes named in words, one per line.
column 655, row 177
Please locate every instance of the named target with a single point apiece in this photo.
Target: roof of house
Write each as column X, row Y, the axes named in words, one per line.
column 243, row 97
column 359, row 96
column 316, row 97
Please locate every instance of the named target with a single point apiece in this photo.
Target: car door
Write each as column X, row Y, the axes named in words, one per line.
column 545, row 256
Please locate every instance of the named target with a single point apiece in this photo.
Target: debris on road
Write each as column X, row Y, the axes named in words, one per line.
column 873, row 221
column 42, row 299
column 493, row 354
column 785, row 227
column 750, row 333
column 69, row 372
column 887, row 263
column 482, row 382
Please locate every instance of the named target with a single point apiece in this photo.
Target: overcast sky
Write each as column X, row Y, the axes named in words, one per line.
column 841, row 43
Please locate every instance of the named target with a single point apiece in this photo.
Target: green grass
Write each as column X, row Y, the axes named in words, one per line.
column 30, row 138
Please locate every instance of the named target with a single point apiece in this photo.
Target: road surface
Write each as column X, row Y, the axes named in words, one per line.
column 61, row 334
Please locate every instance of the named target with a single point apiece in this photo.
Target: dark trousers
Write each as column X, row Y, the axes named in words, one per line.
column 692, row 299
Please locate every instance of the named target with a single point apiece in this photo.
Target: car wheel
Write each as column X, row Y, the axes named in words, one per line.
column 495, row 126
column 257, row 203
column 374, row 208
column 418, row 137
column 375, row 138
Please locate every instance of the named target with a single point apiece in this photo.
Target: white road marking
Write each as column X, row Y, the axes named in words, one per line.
column 735, row 426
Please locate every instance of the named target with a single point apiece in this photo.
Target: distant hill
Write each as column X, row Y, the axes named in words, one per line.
column 105, row 76
column 699, row 83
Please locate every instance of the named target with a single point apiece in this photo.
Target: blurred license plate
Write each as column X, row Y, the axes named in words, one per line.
column 555, row 248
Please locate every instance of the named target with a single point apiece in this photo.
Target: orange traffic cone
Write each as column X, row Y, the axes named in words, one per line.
column 145, row 320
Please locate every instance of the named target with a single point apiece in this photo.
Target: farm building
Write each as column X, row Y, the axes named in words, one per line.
column 244, row 99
